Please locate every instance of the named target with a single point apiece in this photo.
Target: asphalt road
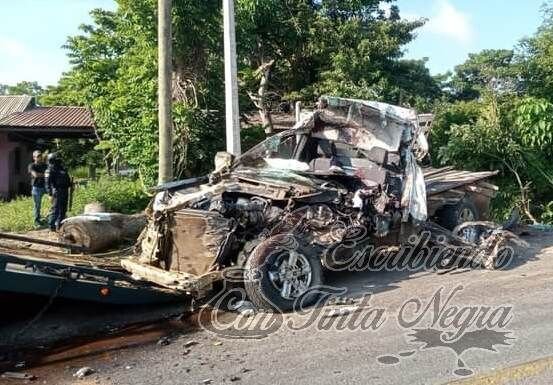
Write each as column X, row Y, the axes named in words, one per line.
column 521, row 297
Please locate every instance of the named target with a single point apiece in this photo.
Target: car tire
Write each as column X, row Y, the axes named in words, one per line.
column 268, row 271
column 451, row 216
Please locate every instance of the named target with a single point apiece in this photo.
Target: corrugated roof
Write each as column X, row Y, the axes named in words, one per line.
column 10, row 104
column 50, row 117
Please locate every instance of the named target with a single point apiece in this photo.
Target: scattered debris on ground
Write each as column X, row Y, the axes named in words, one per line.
column 164, row 341
column 339, row 301
column 339, row 312
column 18, row 376
column 190, row 343
column 83, row 372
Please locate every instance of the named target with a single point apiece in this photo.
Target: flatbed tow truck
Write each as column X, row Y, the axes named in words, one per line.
column 56, row 274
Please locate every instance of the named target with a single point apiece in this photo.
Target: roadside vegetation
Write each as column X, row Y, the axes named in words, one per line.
column 121, row 195
column 497, row 114
column 493, row 112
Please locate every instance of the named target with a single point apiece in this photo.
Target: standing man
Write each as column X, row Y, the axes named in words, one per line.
column 58, row 183
column 37, row 169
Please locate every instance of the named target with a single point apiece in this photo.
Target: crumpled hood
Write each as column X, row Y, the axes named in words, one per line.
column 278, row 176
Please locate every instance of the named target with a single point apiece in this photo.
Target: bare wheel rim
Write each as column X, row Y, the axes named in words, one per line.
column 291, row 274
column 469, row 234
column 466, row 215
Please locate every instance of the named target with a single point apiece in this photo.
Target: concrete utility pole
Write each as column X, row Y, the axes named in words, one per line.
column 165, row 68
column 231, row 82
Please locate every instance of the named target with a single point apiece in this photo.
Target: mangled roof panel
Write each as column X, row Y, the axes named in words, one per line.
column 388, row 111
column 363, row 124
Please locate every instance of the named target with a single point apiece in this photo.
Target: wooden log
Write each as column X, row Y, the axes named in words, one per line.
column 100, row 232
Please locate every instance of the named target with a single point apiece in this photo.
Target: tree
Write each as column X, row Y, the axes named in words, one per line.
column 409, row 83
column 516, row 87
column 287, row 48
column 22, row 88
column 273, row 39
column 297, row 49
column 494, row 124
column 536, row 58
column 114, row 71
column 359, row 48
column 495, row 70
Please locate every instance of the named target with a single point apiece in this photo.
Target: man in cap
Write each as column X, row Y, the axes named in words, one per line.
column 37, row 169
column 58, row 183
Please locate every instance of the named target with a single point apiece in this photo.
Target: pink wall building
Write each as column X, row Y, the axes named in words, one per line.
column 24, row 127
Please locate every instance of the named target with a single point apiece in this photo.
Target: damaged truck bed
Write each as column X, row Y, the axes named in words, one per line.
column 273, row 218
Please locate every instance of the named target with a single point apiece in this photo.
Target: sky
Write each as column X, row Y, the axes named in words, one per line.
column 32, row 32
column 456, row 28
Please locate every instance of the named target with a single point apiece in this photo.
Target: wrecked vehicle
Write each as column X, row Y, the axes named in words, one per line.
column 349, row 170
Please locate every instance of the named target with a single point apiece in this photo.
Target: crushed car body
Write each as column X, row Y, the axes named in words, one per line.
column 348, row 171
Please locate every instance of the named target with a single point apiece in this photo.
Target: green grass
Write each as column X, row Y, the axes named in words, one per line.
column 80, row 172
column 117, row 194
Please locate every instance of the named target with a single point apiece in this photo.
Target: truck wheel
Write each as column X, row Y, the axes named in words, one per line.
column 279, row 273
column 451, row 216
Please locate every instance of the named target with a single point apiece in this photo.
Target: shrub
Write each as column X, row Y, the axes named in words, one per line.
column 117, row 194
column 120, row 195
column 510, row 134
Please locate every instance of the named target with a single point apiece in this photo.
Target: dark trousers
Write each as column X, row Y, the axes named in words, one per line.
column 60, row 200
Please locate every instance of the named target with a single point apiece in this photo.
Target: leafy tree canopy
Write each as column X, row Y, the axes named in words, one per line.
column 536, row 56
column 499, row 116
column 492, row 112
column 287, row 49
column 489, row 69
column 22, row 88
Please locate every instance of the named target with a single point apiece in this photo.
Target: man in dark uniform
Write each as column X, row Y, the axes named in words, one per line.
column 58, row 183
column 37, row 169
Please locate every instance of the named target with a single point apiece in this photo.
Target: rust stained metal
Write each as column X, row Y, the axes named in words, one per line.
column 197, row 238
column 267, row 190
column 10, row 104
column 58, row 117
column 180, row 281
column 272, row 190
column 439, row 180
